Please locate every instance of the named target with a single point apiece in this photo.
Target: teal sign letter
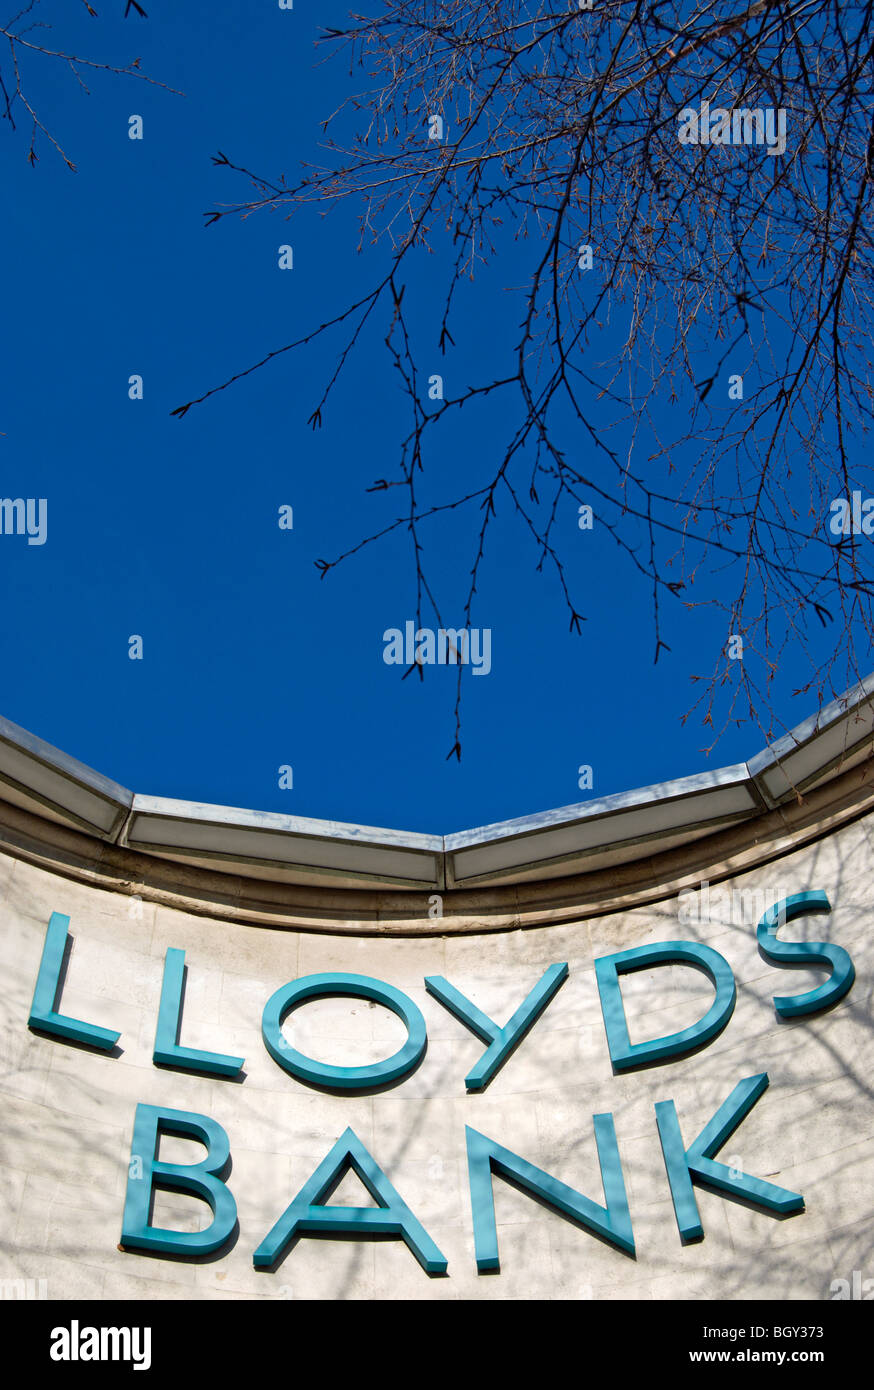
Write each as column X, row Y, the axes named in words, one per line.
column 167, row 1051
column 485, row 1157
column 804, row 953
column 623, row 1053
column 199, row 1179
column 47, row 994
column 501, row 1040
column 307, row 1215
column 343, row 1078
column 697, row 1162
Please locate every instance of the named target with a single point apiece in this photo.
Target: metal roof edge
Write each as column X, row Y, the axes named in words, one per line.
column 42, row 778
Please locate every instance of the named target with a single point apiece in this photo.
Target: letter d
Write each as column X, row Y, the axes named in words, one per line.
column 623, row 1053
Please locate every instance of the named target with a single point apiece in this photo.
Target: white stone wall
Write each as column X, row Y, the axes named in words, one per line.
column 68, row 1112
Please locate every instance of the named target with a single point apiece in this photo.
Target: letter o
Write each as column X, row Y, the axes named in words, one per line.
column 289, row 996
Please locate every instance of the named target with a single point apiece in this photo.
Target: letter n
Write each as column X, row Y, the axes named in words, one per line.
column 198, row 1179
column 485, row 1158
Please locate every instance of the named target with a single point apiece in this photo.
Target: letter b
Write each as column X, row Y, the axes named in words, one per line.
column 199, row 1179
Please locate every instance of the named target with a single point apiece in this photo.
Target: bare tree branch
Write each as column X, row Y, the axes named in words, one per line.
column 719, row 254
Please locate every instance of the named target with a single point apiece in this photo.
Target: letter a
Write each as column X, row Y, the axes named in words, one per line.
column 307, row 1216
column 393, row 655
column 688, row 132
column 60, row 1347
column 840, row 522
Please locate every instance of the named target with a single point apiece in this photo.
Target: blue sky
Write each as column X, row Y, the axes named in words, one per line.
column 167, row 528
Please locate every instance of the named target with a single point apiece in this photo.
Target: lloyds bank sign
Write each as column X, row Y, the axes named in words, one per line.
column 688, row 1161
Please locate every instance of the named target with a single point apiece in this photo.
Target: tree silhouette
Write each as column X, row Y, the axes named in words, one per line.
column 26, row 50
column 692, row 358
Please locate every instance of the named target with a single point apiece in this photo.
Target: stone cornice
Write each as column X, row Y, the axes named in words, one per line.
column 599, row 856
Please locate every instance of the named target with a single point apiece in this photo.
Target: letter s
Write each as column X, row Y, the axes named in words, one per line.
column 804, row 953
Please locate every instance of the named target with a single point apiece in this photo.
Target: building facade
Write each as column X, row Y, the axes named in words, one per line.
column 523, row 1087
